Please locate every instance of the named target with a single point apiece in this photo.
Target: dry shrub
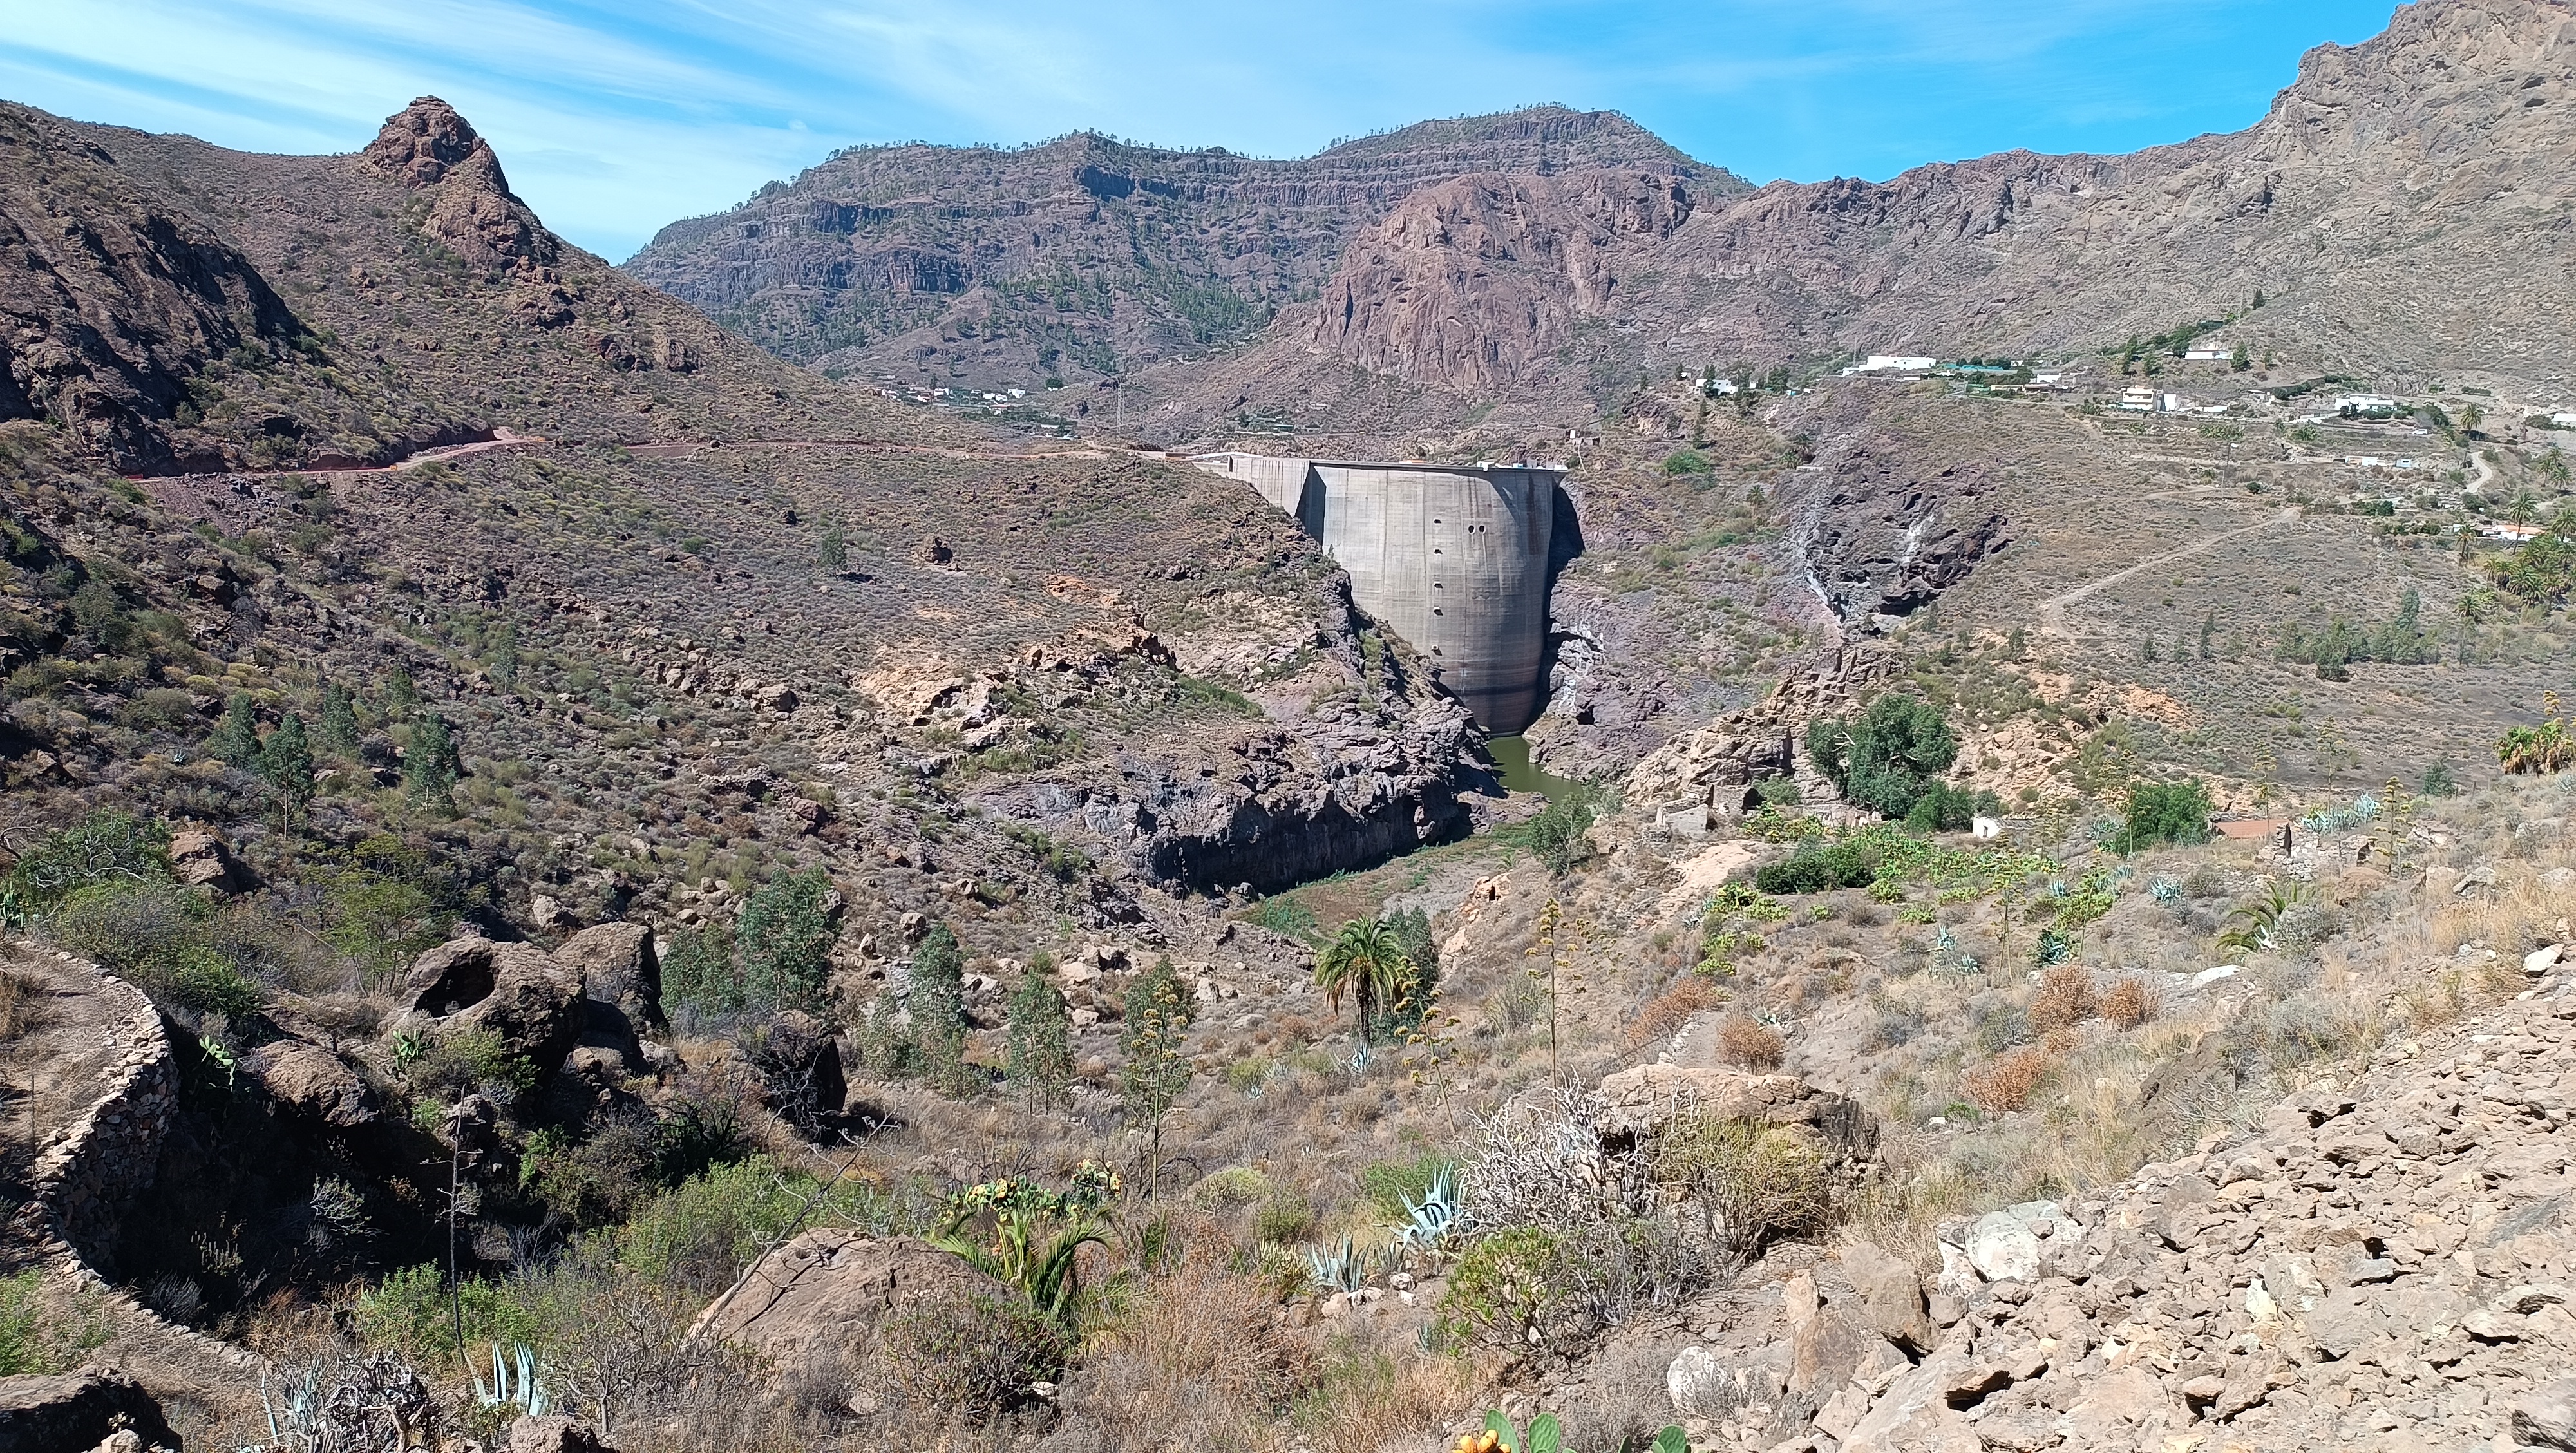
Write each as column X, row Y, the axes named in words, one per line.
column 1199, row 1362
column 25, row 1005
column 2132, row 1002
column 1742, row 1040
column 2063, row 1000
column 1752, row 1183
column 1667, row 1011
column 1373, row 1401
column 2007, row 1081
column 975, row 1355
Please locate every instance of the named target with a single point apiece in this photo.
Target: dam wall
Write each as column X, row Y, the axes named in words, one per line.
column 1453, row 559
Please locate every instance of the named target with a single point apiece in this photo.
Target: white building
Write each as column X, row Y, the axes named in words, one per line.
column 2209, row 353
column 1892, row 363
column 2138, row 399
column 2364, row 404
column 2562, row 421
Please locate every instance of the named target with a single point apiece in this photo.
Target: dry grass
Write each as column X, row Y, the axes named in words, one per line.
column 2132, row 1002
column 24, row 1006
column 1749, row 1043
column 1382, row 1402
column 1668, row 1011
column 1199, row 1362
column 2007, row 1081
column 2063, row 1000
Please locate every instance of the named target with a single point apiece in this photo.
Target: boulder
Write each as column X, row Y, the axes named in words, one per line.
column 1643, row 1099
column 312, row 1082
column 2006, row 1245
column 618, row 965
column 518, row 992
column 554, row 1435
column 2546, row 1418
column 200, row 859
column 78, row 1411
column 820, row 1299
column 2542, row 960
column 1891, row 1294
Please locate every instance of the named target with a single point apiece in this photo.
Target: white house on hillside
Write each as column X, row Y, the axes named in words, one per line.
column 1892, row 363
column 2207, row 352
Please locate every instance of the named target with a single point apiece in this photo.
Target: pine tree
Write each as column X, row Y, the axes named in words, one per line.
column 430, row 766
column 1158, row 1067
column 339, row 726
column 286, row 761
column 785, row 932
column 835, row 549
column 1040, row 1035
column 401, row 694
column 236, row 740
column 935, row 993
column 2208, row 628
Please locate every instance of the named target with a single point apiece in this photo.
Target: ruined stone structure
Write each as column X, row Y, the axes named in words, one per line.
column 1452, row 558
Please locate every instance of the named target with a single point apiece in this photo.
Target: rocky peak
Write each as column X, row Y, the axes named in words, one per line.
column 422, row 141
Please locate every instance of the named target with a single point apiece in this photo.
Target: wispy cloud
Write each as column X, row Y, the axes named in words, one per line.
column 613, row 118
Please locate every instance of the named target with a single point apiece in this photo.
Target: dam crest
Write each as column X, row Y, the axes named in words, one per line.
column 1455, row 559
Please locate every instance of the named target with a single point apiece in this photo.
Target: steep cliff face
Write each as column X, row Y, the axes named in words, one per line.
column 1084, row 256
column 2437, row 149
column 1476, row 283
column 111, row 300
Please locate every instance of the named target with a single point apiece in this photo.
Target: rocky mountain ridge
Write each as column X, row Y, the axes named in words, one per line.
column 1084, row 257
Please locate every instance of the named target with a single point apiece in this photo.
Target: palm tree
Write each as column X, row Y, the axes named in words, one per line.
column 1366, row 962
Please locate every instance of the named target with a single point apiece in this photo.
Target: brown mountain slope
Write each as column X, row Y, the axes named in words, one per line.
column 2403, row 206
column 177, row 305
column 1081, row 257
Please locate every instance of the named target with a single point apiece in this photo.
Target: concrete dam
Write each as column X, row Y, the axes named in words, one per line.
column 1453, row 559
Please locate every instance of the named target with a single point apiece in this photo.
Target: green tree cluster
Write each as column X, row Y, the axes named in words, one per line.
column 2165, row 812
column 1887, row 758
column 1038, row 1035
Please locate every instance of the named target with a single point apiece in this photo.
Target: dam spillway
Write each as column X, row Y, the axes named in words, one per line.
column 1452, row 558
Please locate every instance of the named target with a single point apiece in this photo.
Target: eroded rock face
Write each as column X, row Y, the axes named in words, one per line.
column 819, row 1300
column 79, row 1411
column 515, row 990
column 428, row 147
column 619, row 966
column 312, row 1082
column 1643, row 1099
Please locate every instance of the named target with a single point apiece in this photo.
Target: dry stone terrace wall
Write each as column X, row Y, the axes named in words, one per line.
column 90, row 1172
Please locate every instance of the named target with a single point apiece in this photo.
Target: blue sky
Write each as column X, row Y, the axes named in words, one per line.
column 616, row 116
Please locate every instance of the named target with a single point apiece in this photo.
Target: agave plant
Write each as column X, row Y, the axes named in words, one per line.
column 515, row 1383
column 2256, row 923
column 1340, row 1269
column 1428, row 1221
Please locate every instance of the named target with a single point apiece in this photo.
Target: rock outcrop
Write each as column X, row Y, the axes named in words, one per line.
column 513, row 990
column 429, row 148
column 819, row 1300
column 81, row 1411
column 2387, row 1268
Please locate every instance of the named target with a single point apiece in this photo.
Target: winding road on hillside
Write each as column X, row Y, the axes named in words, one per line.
column 2052, row 611
column 682, row 449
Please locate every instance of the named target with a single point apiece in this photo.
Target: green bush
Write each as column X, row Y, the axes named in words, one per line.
column 1944, row 808
column 104, row 847
column 475, row 1060
column 785, row 937
column 410, row 1312
column 696, row 1237
column 1560, row 835
column 2165, row 812
column 1504, row 1293
column 1887, row 757
column 698, row 974
column 36, row 1340
column 1688, row 461
column 1815, row 868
